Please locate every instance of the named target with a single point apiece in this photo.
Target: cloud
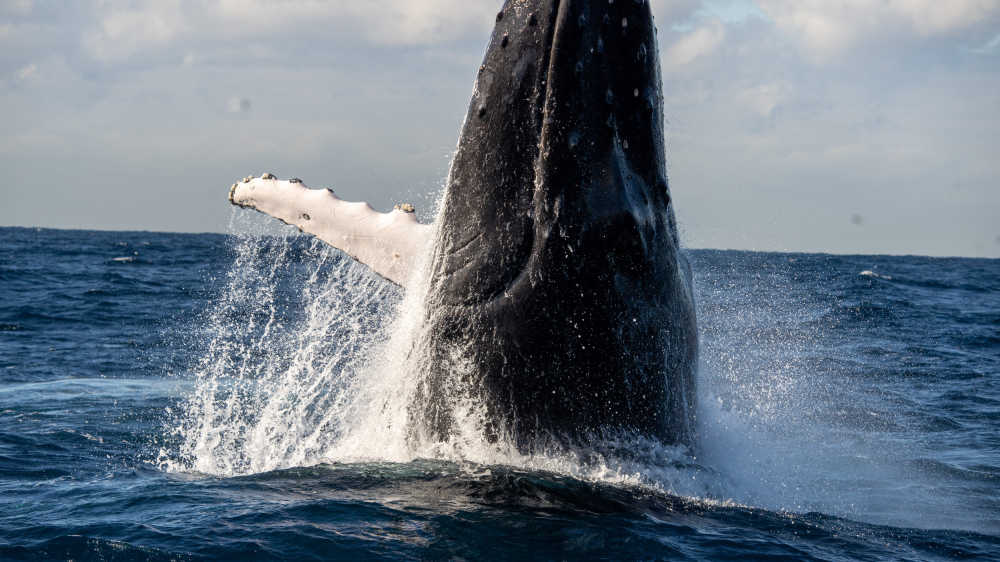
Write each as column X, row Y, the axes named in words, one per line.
column 125, row 29
column 829, row 28
column 768, row 149
column 668, row 13
column 763, row 99
column 696, row 43
column 930, row 17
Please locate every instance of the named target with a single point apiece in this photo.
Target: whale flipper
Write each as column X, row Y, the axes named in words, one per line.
column 389, row 243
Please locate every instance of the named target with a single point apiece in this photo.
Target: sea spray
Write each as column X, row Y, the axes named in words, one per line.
column 313, row 359
column 288, row 335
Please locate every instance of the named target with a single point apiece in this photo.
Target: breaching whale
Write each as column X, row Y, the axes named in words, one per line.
column 558, row 300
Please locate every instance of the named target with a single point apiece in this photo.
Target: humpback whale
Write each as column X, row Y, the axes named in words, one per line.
column 558, row 298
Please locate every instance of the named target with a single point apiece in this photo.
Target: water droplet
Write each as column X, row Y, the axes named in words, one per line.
column 635, row 93
column 504, row 41
column 532, row 19
column 482, row 111
column 624, row 22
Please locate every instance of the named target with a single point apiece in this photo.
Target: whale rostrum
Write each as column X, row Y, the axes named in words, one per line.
column 558, row 298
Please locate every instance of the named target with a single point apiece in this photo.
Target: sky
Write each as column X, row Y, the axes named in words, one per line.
column 844, row 126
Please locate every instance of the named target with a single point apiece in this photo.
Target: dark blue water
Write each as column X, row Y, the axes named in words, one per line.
column 849, row 409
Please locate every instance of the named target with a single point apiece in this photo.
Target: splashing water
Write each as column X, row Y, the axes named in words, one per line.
column 288, row 337
column 313, row 359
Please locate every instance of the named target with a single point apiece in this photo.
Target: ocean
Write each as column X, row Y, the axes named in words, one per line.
column 206, row 397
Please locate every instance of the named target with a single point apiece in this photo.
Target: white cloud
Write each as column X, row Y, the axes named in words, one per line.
column 426, row 21
column 122, row 32
column 763, row 99
column 696, row 43
column 829, row 28
column 936, row 16
column 673, row 12
column 128, row 28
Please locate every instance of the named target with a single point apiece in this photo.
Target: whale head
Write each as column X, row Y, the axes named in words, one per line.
column 556, row 276
column 563, row 140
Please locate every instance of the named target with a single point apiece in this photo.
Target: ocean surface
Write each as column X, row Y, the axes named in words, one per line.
column 188, row 397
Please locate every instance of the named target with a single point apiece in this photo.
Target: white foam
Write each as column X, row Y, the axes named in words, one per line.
column 271, row 378
column 868, row 273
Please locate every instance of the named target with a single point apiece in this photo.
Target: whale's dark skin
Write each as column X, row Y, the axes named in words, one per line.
column 558, row 296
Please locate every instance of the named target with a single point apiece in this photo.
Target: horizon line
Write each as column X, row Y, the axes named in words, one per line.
column 302, row 235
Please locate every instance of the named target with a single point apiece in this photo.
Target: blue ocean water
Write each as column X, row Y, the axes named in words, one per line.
column 175, row 397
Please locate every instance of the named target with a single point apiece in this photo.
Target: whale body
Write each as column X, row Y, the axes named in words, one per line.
column 559, row 300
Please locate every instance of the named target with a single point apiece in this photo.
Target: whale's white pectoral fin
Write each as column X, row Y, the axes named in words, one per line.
column 389, row 243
